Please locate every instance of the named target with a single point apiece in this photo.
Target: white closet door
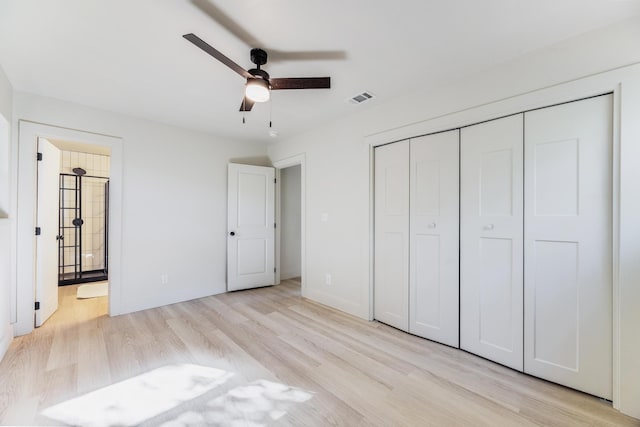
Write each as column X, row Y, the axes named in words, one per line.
column 391, row 280
column 568, row 271
column 491, row 276
column 434, row 219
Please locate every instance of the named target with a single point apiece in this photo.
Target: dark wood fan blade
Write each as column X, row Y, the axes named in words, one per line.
column 231, row 25
column 216, row 54
column 227, row 22
column 246, row 105
column 301, row 83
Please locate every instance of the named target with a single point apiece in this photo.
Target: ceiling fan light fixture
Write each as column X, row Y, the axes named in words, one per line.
column 257, row 90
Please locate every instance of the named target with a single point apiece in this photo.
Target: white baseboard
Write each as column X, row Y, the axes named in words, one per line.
column 289, row 275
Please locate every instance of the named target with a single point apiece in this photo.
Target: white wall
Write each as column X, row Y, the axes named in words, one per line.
column 338, row 169
column 6, row 98
column 174, row 200
column 336, row 185
column 290, row 262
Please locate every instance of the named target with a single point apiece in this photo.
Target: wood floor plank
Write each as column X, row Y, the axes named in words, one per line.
column 350, row 372
column 93, row 358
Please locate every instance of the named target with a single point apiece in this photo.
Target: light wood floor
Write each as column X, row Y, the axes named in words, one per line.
column 358, row 372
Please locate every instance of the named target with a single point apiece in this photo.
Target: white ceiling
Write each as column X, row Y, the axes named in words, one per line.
column 128, row 56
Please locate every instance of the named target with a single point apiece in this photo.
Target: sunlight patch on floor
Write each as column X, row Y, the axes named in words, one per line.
column 252, row 405
column 140, row 398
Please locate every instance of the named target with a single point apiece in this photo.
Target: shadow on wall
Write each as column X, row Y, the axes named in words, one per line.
column 254, row 161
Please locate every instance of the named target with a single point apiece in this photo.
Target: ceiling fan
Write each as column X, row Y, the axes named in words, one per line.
column 259, row 84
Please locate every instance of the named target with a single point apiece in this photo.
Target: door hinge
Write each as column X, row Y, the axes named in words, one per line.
column 274, row 225
column 37, row 305
column 274, row 269
column 38, row 231
column 39, row 157
column 275, row 181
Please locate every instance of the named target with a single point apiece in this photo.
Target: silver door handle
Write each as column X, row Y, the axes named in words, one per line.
column 432, row 225
column 488, row 227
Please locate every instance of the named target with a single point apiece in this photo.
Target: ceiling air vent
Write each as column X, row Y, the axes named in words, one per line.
column 362, row 97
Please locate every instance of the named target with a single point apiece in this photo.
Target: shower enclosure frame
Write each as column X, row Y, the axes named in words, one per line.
column 78, row 275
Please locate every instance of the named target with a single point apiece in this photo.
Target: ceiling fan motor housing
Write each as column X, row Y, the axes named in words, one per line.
column 258, row 73
column 258, row 57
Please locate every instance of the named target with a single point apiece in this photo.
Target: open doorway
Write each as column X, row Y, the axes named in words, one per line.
column 27, row 302
column 83, row 215
column 72, row 225
column 291, row 221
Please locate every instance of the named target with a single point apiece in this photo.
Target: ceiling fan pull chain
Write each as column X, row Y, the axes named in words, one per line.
column 270, row 113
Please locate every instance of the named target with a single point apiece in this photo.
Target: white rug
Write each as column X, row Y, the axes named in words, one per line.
column 93, row 290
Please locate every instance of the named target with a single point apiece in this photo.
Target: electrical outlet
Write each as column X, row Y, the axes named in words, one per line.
column 327, row 278
column 164, row 278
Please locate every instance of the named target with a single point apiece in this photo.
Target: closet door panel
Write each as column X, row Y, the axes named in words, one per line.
column 391, row 250
column 568, row 272
column 434, row 222
column 491, row 247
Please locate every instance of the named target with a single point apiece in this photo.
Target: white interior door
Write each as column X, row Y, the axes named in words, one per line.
column 491, row 275
column 251, row 227
column 391, row 253
column 568, row 272
column 434, row 224
column 46, row 242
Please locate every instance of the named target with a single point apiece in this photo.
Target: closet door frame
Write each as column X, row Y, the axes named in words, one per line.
column 624, row 81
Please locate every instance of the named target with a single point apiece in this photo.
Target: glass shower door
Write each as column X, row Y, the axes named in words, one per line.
column 83, row 229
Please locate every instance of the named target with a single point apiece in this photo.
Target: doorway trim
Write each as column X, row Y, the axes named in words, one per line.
column 24, row 286
column 299, row 159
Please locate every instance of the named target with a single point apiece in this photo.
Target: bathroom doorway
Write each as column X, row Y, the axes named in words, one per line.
column 72, row 222
column 27, row 301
